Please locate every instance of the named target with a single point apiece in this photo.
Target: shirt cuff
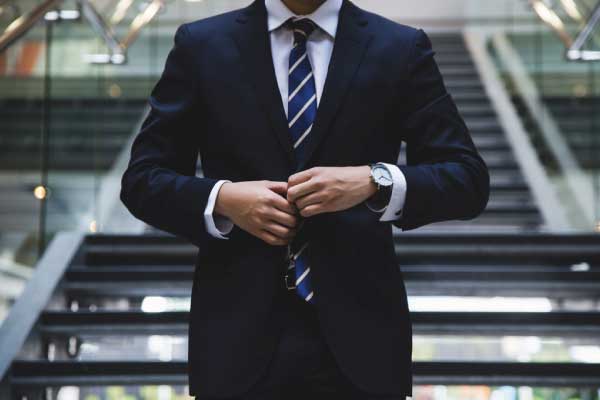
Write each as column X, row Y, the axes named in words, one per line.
column 217, row 225
column 396, row 204
column 393, row 210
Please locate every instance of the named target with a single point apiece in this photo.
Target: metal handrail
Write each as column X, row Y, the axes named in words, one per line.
column 579, row 185
column 575, row 45
column 37, row 293
column 24, row 23
column 120, row 11
column 101, row 28
column 141, row 20
column 575, row 52
column 118, row 48
column 536, row 176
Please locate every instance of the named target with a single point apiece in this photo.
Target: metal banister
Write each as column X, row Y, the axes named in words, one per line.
column 141, row 20
column 576, row 52
column 118, row 48
column 24, row 23
column 36, row 295
column 574, row 46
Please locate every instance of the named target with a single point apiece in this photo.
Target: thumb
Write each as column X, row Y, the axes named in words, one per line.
column 278, row 187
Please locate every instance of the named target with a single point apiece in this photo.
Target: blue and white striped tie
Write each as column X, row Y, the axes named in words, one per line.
column 302, row 110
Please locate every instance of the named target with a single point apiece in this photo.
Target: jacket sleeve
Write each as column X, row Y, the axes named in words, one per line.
column 446, row 178
column 159, row 185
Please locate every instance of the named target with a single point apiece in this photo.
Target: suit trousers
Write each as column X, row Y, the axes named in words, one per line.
column 303, row 367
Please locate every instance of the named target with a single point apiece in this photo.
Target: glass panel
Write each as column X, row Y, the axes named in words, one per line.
column 558, row 101
column 154, row 303
column 499, row 304
column 164, row 303
column 97, row 105
column 96, row 110
column 438, row 347
column 130, row 392
column 505, row 348
column 482, row 392
column 133, row 347
column 23, row 132
column 420, row 392
column 65, row 131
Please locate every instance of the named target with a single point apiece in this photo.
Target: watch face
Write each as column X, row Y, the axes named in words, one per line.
column 382, row 176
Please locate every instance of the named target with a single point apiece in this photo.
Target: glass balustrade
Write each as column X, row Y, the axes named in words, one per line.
column 73, row 91
column 555, row 93
column 72, row 98
column 480, row 392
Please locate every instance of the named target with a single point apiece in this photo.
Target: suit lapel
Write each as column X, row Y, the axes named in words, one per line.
column 349, row 47
column 253, row 42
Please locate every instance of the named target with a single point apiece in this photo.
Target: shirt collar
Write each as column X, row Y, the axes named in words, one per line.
column 326, row 16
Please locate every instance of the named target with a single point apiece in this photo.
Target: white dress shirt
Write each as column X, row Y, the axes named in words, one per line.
column 319, row 48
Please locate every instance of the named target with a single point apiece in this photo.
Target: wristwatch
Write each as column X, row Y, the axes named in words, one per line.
column 382, row 177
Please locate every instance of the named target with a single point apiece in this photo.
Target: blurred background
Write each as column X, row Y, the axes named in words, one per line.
column 94, row 303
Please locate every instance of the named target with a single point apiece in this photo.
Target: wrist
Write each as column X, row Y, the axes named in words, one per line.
column 382, row 179
column 221, row 202
column 371, row 185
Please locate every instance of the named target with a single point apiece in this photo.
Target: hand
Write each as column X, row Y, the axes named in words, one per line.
column 327, row 189
column 260, row 208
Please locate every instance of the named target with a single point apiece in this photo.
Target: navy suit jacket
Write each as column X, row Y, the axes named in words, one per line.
column 218, row 97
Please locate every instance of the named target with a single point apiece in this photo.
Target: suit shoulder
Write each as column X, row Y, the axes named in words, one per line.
column 389, row 28
column 210, row 26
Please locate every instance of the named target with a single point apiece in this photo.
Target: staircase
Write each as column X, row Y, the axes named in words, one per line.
column 511, row 207
column 105, row 310
column 579, row 120
column 119, row 314
column 84, row 134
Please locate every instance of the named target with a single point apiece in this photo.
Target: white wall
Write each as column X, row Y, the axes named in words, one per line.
column 446, row 9
column 400, row 10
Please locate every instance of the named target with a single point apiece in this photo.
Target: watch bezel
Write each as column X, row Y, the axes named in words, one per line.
column 379, row 184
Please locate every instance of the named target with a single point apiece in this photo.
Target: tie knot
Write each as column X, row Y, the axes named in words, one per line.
column 302, row 28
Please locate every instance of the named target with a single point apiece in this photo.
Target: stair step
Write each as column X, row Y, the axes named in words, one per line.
column 469, row 111
column 35, row 373
column 463, row 71
column 450, row 49
column 471, row 97
column 152, row 274
column 462, row 227
column 524, row 248
column 490, row 143
column 518, row 281
column 61, row 161
column 453, row 60
column 578, row 324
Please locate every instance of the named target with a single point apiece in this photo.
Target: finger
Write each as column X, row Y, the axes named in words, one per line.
column 302, row 189
column 271, row 239
column 281, row 231
column 312, row 198
column 283, row 218
column 278, row 187
column 312, row 209
column 281, row 203
column 300, row 177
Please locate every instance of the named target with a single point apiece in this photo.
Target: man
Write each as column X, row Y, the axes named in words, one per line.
column 298, row 109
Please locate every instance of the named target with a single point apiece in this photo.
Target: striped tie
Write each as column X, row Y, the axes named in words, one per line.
column 302, row 109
